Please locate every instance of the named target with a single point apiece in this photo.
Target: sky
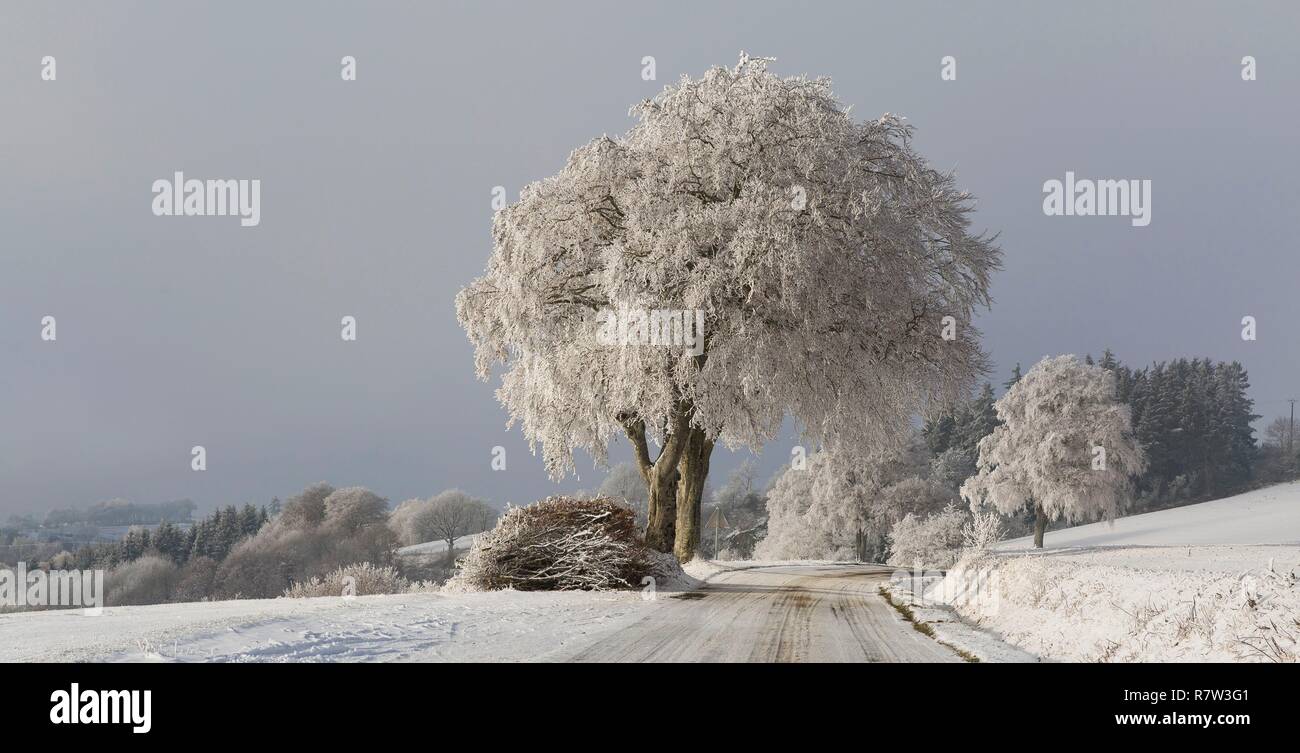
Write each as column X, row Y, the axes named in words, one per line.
column 376, row 203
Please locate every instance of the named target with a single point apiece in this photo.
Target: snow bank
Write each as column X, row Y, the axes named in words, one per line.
column 945, row 625
column 1185, row 604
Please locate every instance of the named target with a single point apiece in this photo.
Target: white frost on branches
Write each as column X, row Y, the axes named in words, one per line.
column 1043, row 453
column 829, row 308
column 840, row 508
column 813, row 513
column 930, row 541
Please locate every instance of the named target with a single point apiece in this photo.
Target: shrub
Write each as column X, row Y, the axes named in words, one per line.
column 195, row 580
column 982, row 531
column 930, row 542
column 560, row 544
column 148, row 580
column 364, row 579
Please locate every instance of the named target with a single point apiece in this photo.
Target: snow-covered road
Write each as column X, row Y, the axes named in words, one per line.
column 813, row 612
column 803, row 613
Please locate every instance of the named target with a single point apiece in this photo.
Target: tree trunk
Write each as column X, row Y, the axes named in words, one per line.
column 660, row 475
column 661, row 510
column 693, row 470
column 1040, row 525
column 673, row 483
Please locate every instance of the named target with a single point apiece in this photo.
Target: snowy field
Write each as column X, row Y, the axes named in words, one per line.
column 1218, row 581
column 499, row 626
column 431, row 627
column 798, row 611
column 1264, row 516
column 437, row 547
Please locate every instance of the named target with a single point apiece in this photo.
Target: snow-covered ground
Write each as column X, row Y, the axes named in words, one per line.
column 753, row 612
column 1209, row 582
column 437, row 547
column 1217, row 581
column 1265, row 516
column 945, row 625
column 498, row 626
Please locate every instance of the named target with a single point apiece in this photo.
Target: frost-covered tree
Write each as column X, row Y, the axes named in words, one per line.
column 815, row 512
column 307, row 508
column 840, row 507
column 355, row 507
column 446, row 516
column 824, row 254
column 1064, row 447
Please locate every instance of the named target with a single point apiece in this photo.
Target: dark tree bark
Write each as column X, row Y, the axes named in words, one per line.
column 693, row 470
column 1040, row 525
column 660, row 475
column 661, row 510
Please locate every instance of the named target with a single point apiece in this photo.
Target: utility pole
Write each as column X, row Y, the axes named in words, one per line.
column 1290, row 442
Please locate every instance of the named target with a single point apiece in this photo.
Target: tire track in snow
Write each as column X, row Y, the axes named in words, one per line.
column 813, row 613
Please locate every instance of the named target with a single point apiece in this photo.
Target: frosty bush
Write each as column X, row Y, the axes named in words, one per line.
column 982, row 531
column 931, row 542
column 195, row 580
column 148, row 580
column 560, row 544
column 364, row 579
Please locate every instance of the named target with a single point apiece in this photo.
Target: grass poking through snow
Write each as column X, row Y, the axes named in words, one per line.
column 923, row 627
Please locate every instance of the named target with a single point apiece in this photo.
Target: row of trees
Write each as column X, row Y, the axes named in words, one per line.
column 1077, row 441
column 121, row 512
column 214, row 537
column 1064, row 447
column 1061, row 443
column 1193, row 419
column 262, row 552
column 1279, row 454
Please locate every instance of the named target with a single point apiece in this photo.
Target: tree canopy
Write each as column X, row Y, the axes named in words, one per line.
column 824, row 253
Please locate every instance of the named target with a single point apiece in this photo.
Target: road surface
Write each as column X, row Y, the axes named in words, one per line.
column 804, row 613
column 774, row 613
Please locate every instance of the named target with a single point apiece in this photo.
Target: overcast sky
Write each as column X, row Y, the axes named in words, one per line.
column 375, row 202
